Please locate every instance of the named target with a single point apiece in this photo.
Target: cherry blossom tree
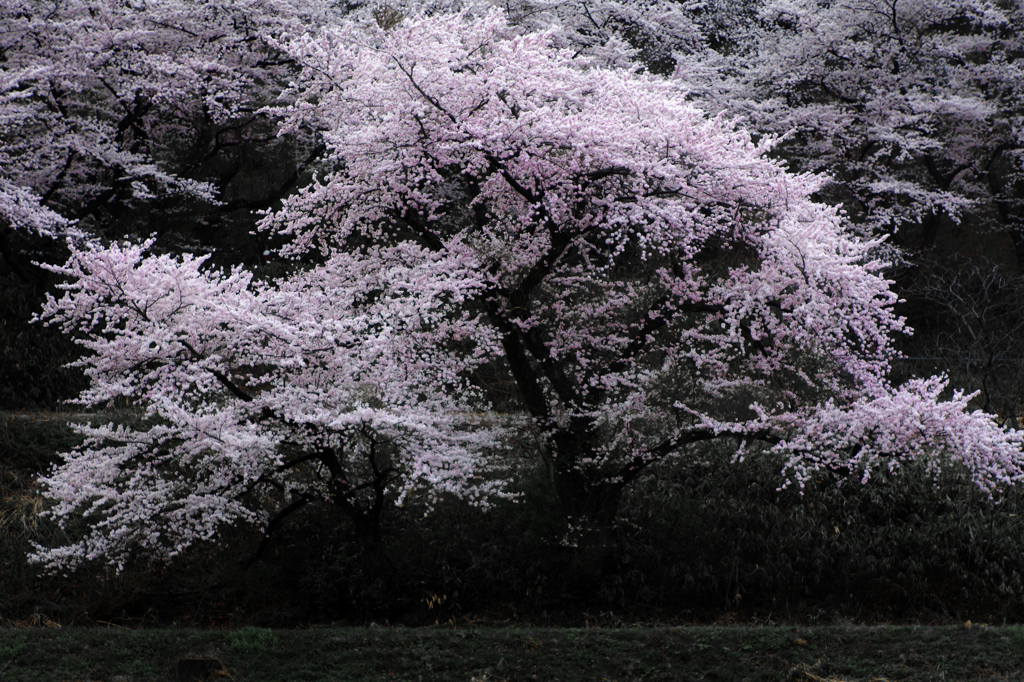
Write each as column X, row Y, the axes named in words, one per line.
column 110, row 106
column 617, row 33
column 913, row 107
column 332, row 387
column 652, row 271
column 130, row 118
column 648, row 277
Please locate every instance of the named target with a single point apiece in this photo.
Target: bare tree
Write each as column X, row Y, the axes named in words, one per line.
column 977, row 332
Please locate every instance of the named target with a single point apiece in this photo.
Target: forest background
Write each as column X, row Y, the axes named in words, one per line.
column 134, row 121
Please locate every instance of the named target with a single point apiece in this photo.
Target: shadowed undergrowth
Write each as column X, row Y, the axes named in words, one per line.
column 706, row 541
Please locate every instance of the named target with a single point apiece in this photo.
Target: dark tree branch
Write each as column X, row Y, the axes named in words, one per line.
column 641, row 461
column 659, row 317
column 594, row 176
column 272, row 526
column 59, row 180
column 221, row 377
column 286, row 187
column 944, row 181
column 21, row 270
column 433, row 102
column 518, row 359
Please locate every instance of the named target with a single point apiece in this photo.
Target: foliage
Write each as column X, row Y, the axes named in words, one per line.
column 33, row 359
column 92, row 78
column 897, row 545
column 709, row 539
column 972, row 312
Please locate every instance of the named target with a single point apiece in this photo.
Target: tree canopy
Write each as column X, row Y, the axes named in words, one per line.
column 647, row 276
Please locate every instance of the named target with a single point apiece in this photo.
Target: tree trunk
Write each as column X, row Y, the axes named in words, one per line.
column 591, row 507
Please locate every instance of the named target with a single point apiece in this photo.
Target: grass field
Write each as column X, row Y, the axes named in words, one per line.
column 784, row 653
